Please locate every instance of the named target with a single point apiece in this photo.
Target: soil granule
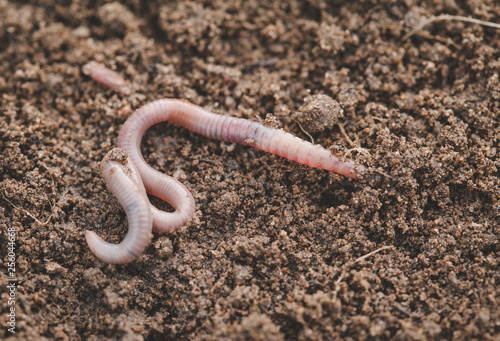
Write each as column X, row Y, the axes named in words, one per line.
column 275, row 250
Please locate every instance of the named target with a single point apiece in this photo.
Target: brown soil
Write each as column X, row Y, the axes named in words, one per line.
column 274, row 250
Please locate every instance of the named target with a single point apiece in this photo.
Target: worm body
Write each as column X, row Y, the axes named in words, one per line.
column 201, row 121
column 125, row 183
column 107, row 77
column 230, row 129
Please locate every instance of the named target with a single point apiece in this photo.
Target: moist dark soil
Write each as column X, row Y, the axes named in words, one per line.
column 276, row 250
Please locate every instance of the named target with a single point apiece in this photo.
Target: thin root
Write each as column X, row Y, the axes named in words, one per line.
column 342, row 130
column 305, row 132
column 448, row 17
column 373, row 252
column 28, row 213
column 352, row 144
column 357, row 149
column 347, row 265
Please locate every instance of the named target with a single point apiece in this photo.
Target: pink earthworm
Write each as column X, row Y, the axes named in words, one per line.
column 107, row 77
column 206, row 123
column 125, row 183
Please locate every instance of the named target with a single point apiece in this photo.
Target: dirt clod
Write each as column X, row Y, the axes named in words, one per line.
column 319, row 113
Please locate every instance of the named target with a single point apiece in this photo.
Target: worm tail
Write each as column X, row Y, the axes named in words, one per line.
column 277, row 142
column 124, row 182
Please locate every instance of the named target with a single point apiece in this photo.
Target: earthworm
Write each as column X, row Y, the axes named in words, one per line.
column 206, row 123
column 107, row 77
column 125, row 183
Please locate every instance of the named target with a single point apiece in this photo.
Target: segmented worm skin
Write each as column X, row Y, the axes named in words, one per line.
column 230, row 129
column 125, row 183
column 201, row 121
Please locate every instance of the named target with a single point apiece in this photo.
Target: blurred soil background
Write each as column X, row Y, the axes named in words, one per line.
column 276, row 249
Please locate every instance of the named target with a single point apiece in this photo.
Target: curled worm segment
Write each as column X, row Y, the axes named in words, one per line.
column 125, row 183
column 206, row 123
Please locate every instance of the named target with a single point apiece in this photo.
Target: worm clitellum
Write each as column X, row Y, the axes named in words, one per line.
column 206, row 123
